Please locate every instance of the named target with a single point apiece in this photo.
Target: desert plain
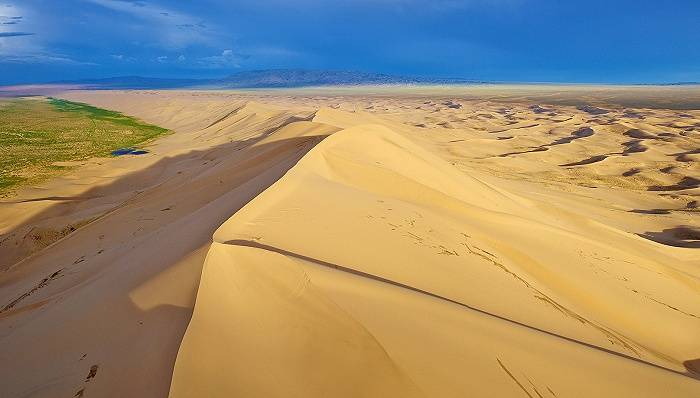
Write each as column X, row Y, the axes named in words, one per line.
column 462, row 241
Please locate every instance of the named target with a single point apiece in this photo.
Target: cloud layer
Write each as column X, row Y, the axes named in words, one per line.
column 508, row 40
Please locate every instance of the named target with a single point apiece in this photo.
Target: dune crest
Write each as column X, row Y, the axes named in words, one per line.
column 405, row 261
column 419, row 242
column 117, row 292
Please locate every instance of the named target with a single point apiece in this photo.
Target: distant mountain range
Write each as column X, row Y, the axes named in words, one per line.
column 271, row 78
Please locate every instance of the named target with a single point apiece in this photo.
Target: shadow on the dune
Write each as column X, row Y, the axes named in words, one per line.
column 693, row 366
column 685, row 183
column 681, row 236
column 112, row 335
column 38, row 232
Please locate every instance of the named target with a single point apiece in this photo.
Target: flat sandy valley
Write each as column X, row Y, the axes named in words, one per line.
column 484, row 241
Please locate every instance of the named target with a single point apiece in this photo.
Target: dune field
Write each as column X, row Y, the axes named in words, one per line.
column 495, row 241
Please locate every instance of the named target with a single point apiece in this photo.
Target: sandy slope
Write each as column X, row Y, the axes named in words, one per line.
column 117, row 293
column 399, row 231
column 428, row 247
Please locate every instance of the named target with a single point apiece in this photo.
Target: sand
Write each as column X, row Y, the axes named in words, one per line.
column 365, row 242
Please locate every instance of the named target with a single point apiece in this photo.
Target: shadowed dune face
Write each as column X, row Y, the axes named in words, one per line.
column 693, row 365
column 364, row 244
column 126, row 277
column 683, row 236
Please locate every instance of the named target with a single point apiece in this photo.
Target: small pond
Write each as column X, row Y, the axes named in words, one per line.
column 129, row 151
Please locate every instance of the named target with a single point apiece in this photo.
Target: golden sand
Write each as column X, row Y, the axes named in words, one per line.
column 365, row 243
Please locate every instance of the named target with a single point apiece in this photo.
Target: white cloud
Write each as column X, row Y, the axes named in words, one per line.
column 122, row 58
column 12, row 23
column 227, row 59
column 170, row 29
column 26, row 46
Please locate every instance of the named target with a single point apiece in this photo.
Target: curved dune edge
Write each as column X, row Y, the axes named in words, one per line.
column 580, row 255
column 102, row 311
column 374, row 268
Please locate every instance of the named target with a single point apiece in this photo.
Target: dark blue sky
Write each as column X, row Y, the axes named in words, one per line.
column 618, row 41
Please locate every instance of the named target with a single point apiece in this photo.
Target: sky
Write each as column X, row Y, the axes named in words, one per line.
column 611, row 41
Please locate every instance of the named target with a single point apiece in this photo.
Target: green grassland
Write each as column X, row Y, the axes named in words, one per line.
column 35, row 134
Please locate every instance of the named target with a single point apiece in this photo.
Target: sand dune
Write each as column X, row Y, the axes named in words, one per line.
column 355, row 244
column 120, row 289
column 466, row 247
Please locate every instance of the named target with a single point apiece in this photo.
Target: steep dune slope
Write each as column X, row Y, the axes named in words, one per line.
column 102, row 311
column 375, row 268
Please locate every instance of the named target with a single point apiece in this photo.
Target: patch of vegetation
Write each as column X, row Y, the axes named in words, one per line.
column 9, row 181
column 35, row 134
column 104, row 115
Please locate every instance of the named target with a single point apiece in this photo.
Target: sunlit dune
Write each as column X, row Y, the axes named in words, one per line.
column 365, row 242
